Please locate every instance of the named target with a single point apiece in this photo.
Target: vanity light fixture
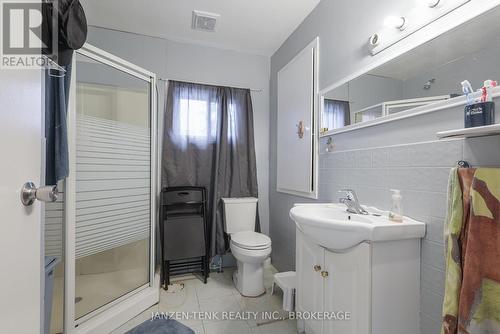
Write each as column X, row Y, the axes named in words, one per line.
column 430, row 3
column 398, row 22
column 399, row 25
column 374, row 40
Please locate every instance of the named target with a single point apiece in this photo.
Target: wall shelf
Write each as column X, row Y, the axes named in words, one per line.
column 478, row 131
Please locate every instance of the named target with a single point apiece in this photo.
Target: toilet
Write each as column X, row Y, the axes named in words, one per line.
column 249, row 248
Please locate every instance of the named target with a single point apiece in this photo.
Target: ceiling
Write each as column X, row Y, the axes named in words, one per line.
column 257, row 26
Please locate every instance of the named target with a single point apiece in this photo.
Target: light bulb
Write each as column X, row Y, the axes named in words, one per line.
column 397, row 22
column 429, row 3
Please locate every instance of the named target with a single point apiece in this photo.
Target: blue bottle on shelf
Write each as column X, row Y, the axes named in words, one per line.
column 479, row 114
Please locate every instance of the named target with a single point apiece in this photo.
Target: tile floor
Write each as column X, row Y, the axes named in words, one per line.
column 219, row 294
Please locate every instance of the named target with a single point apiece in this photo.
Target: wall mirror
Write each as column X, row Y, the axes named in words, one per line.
column 429, row 74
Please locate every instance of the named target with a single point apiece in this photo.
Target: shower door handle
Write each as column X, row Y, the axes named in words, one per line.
column 30, row 193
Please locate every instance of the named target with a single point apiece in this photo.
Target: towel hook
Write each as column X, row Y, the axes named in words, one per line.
column 463, row 164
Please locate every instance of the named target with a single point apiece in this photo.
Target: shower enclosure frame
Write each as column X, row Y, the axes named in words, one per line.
column 112, row 315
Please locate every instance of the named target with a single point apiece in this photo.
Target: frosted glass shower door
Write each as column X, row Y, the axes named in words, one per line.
column 113, row 185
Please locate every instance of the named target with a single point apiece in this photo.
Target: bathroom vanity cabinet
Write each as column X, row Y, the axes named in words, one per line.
column 372, row 288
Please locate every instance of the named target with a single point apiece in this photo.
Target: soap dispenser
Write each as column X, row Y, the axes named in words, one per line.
column 396, row 213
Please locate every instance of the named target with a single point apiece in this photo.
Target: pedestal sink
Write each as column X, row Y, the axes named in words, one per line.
column 332, row 227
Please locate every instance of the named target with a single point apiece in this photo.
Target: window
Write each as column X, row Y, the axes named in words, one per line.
column 196, row 110
column 197, row 118
column 336, row 114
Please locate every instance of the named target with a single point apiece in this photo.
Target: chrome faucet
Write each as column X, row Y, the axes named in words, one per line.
column 352, row 203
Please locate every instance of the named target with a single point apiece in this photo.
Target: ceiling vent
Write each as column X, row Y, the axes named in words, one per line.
column 204, row 21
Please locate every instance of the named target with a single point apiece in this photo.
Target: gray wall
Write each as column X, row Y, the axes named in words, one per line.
column 369, row 90
column 188, row 62
column 402, row 154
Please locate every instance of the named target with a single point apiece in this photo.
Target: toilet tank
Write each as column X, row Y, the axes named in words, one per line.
column 239, row 214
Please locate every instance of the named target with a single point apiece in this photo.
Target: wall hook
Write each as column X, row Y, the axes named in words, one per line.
column 301, row 129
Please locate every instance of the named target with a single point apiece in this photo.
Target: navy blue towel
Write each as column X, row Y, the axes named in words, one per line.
column 56, row 132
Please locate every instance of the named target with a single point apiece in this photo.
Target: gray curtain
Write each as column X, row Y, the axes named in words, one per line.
column 336, row 114
column 209, row 142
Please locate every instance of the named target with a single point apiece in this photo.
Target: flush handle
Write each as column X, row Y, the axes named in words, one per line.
column 317, row 267
column 30, row 193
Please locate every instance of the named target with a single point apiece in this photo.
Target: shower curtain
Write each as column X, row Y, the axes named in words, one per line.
column 209, row 142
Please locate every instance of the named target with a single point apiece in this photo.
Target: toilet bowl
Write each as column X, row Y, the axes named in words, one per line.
column 250, row 249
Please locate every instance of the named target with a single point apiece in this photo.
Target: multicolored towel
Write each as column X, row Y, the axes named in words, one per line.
column 472, row 236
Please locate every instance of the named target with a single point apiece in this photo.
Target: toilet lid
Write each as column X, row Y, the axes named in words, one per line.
column 251, row 240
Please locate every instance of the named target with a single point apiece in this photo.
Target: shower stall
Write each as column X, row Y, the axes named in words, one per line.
column 104, row 224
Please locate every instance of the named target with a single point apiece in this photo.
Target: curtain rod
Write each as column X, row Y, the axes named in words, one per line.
column 201, row 83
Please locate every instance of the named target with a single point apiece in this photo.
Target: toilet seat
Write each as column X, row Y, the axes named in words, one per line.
column 251, row 240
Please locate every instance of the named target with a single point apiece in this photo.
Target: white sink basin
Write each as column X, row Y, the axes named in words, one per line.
column 332, row 227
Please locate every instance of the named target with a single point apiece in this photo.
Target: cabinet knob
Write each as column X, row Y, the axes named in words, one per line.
column 324, row 274
column 317, row 267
